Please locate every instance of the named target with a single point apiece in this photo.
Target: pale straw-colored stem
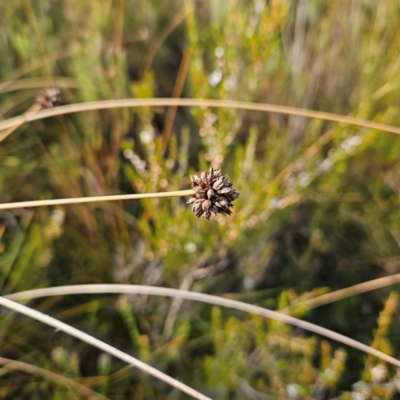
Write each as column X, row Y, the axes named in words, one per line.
column 94, row 199
column 31, row 110
column 105, row 104
column 61, row 326
column 176, row 94
column 81, row 390
column 352, row 291
column 31, row 65
column 205, row 298
column 39, row 83
column 157, row 42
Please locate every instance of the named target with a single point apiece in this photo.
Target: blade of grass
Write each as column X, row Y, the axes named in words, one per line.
column 61, row 326
column 176, row 94
column 352, row 291
column 35, row 64
column 33, row 25
column 120, row 103
column 311, row 151
column 119, row 23
column 80, row 200
column 32, row 109
column 157, row 42
column 16, row 100
column 37, row 83
column 205, row 298
column 51, row 376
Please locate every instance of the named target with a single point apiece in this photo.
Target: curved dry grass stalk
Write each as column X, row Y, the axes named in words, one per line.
column 176, row 94
column 37, row 83
column 205, row 298
column 34, row 108
column 35, row 64
column 80, row 200
column 81, row 390
column 105, row 104
column 352, row 291
column 15, row 101
column 310, row 151
column 100, row 345
column 157, row 42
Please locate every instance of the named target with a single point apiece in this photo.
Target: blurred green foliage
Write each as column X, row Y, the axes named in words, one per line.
column 331, row 220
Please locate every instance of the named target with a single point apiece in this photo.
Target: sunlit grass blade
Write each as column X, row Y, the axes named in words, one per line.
column 61, row 326
column 39, row 83
column 157, row 42
column 352, row 291
column 39, row 62
column 33, row 109
column 80, row 200
column 121, row 103
column 82, row 390
column 205, row 298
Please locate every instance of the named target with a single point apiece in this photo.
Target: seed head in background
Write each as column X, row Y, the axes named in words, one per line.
column 213, row 195
column 49, row 98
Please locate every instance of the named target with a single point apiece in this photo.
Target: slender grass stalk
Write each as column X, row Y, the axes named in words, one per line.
column 311, row 151
column 352, row 291
column 35, row 64
column 82, row 390
column 80, row 200
column 39, row 83
column 205, row 298
column 35, row 32
column 121, row 103
column 176, row 94
column 61, row 326
column 119, row 23
column 157, row 42
column 31, row 110
column 14, row 101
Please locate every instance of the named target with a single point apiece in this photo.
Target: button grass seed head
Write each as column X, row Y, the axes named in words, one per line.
column 49, row 98
column 213, row 195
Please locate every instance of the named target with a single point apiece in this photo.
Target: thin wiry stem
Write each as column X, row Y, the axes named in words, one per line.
column 38, row 63
column 61, row 326
column 176, row 94
column 311, row 151
column 37, row 83
column 157, row 42
column 32, row 109
column 35, row 31
column 352, row 291
column 205, row 298
column 16, row 100
column 82, row 390
column 80, row 200
column 104, row 104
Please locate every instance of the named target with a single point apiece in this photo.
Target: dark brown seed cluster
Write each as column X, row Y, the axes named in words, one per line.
column 213, row 194
column 49, row 98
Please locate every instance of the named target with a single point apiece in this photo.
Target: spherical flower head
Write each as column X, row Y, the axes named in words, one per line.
column 213, row 195
column 49, row 98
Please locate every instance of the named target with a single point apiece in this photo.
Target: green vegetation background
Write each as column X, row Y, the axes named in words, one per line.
column 331, row 221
